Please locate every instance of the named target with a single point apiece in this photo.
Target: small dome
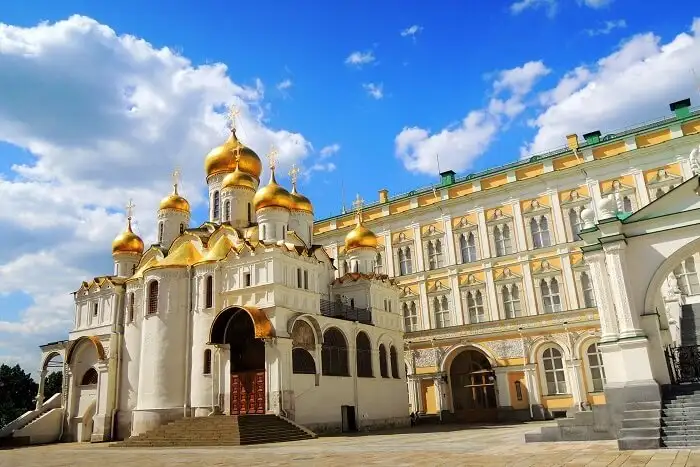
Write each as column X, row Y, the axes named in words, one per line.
column 360, row 237
column 175, row 201
column 127, row 242
column 222, row 159
column 239, row 179
column 300, row 202
column 272, row 195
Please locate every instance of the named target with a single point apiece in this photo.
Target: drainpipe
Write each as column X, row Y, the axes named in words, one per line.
column 188, row 340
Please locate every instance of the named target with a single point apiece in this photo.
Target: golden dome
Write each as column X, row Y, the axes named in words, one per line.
column 127, row 242
column 239, row 179
column 222, row 159
column 272, row 195
column 175, row 201
column 360, row 237
column 300, row 202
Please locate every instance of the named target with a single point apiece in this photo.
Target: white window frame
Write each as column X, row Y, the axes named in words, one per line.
column 508, row 304
column 475, row 306
column 410, row 319
column 561, row 385
column 589, row 368
column 502, row 245
column 553, row 286
column 442, row 316
column 688, row 280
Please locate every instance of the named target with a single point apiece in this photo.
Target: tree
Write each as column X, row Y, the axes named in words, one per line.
column 17, row 393
column 53, row 384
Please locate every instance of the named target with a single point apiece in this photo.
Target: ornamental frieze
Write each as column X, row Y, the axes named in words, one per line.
column 508, row 348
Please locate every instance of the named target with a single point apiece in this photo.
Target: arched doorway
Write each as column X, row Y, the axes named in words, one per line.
column 236, row 328
column 472, row 387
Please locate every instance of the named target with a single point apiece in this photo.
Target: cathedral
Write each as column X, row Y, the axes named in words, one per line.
column 243, row 314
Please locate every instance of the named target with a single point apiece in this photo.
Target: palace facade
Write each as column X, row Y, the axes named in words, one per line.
column 498, row 304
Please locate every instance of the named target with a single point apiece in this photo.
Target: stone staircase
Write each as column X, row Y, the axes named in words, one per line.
column 221, row 430
column 680, row 417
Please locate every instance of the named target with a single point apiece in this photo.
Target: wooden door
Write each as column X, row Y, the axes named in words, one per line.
column 248, row 393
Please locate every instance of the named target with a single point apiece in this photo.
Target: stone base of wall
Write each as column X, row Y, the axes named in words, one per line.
column 364, row 425
column 146, row 420
column 509, row 414
column 591, row 425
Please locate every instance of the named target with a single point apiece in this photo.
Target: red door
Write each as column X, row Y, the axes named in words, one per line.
column 248, row 393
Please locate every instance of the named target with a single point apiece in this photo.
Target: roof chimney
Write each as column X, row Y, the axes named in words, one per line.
column 383, row 195
column 592, row 138
column 572, row 141
column 681, row 108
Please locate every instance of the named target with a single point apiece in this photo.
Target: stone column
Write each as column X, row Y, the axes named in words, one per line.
column 533, row 392
column 278, row 353
column 567, row 273
column 575, row 377
column 503, row 388
column 440, row 394
column 601, row 288
column 627, row 316
column 40, row 392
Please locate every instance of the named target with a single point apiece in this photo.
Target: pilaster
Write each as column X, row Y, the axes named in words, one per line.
column 503, row 387
column 529, row 291
column 641, row 188
column 492, row 297
column 569, row 284
column 389, row 255
column 560, row 231
column 40, row 392
column 457, row 299
column 425, row 310
column 418, row 249
column 627, row 316
column 519, row 227
column 449, row 241
column 601, row 287
column 484, row 243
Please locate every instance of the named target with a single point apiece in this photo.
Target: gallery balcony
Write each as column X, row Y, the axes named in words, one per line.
column 339, row 310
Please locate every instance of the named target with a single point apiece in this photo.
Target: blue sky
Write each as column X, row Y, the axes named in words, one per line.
column 479, row 83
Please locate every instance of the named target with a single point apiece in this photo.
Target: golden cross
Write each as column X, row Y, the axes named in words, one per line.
column 294, row 174
column 237, row 153
column 272, row 157
column 358, row 204
column 130, row 209
column 233, row 112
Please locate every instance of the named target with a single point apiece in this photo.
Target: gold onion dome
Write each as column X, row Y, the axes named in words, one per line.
column 360, row 237
column 127, row 242
column 222, row 159
column 300, row 202
column 239, row 179
column 272, row 195
column 175, row 201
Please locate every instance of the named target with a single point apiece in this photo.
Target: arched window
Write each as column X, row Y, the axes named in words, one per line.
column 383, row 371
column 575, row 222
column 405, row 266
column 587, row 289
column 475, row 306
column 161, row 227
column 89, row 378
column 394, row 359
column 153, row 297
column 410, row 317
column 302, row 362
column 467, row 247
column 595, row 366
column 441, row 309
column 206, row 366
column 364, row 356
column 402, row 262
column 554, row 373
column 379, row 267
column 250, row 214
column 334, row 354
column 182, row 229
column 501, row 238
column 215, row 212
column 431, row 255
column 209, row 292
column 687, row 277
column 551, row 300
column 227, row 211
column 132, row 300
column 511, row 300
column 539, row 230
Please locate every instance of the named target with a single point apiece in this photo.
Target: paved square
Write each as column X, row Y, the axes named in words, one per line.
column 427, row 446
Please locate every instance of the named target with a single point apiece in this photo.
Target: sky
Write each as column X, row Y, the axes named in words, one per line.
column 101, row 101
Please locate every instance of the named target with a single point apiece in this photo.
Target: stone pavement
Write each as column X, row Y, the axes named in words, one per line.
column 423, row 446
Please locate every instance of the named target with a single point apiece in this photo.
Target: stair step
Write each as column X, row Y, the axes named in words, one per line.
column 650, row 413
column 641, row 423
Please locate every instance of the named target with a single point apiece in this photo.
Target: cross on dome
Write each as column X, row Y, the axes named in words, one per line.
column 130, row 209
column 294, row 174
column 176, row 178
column 233, row 112
column 272, row 157
column 358, row 204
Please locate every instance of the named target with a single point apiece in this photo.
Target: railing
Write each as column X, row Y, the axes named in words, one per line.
column 340, row 310
column 684, row 364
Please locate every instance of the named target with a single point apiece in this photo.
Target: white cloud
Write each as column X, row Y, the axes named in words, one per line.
column 607, row 27
column 328, row 151
column 374, row 90
column 284, row 85
column 359, row 59
column 462, row 143
column 635, row 83
column 550, row 6
column 411, row 31
column 105, row 117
